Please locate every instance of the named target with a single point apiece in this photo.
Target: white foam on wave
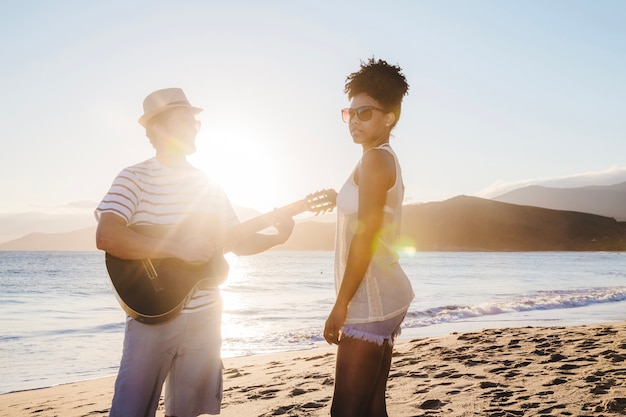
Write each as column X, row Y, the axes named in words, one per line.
column 540, row 300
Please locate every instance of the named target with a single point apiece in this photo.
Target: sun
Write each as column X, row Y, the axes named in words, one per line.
column 236, row 159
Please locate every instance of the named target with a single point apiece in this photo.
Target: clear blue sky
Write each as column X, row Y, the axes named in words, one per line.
column 502, row 93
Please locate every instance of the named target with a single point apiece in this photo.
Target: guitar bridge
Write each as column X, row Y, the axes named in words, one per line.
column 152, row 275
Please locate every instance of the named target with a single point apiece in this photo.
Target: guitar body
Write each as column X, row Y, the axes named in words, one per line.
column 156, row 290
column 150, row 304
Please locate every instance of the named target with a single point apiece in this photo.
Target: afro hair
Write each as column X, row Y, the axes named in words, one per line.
column 383, row 82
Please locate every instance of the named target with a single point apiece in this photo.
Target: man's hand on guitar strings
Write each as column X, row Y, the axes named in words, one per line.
column 196, row 249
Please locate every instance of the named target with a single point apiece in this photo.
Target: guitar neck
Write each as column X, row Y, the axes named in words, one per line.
column 203, row 224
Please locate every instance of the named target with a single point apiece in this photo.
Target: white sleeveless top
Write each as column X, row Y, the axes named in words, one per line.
column 385, row 291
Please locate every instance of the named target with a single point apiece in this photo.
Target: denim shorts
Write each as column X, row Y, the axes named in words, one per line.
column 376, row 332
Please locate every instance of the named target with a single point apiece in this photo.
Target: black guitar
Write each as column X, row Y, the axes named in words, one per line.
column 155, row 290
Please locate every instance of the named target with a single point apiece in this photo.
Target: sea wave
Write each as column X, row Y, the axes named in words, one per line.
column 539, row 300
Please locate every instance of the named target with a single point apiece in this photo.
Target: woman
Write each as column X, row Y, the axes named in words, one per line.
column 373, row 293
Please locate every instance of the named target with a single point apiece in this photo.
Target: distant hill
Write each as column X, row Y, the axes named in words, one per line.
column 307, row 235
column 14, row 225
column 604, row 200
column 311, row 235
column 459, row 224
column 78, row 240
column 472, row 224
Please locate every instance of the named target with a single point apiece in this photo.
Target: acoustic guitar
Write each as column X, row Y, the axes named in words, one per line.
column 156, row 290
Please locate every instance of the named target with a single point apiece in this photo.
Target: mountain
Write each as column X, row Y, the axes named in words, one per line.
column 472, row 224
column 78, row 240
column 13, row 225
column 459, row 224
column 307, row 235
column 604, row 200
column 311, row 235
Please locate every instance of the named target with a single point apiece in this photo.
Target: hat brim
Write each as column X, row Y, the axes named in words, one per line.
column 144, row 119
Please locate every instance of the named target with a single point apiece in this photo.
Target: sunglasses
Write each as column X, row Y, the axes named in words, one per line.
column 363, row 113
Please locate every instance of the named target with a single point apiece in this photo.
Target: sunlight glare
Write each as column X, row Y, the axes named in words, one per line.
column 405, row 246
column 241, row 163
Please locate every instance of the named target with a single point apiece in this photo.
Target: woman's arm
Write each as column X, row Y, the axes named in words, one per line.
column 376, row 175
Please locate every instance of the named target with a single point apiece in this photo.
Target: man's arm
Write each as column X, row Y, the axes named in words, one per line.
column 259, row 242
column 114, row 237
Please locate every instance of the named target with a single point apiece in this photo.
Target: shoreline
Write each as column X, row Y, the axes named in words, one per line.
column 575, row 370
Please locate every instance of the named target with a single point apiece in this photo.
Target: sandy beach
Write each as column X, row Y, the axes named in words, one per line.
column 532, row 371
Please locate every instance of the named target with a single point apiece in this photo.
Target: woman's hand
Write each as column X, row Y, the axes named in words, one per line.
column 334, row 323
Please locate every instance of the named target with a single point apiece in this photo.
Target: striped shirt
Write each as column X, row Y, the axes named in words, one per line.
column 150, row 193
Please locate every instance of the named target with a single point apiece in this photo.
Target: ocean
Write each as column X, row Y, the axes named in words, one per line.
column 60, row 321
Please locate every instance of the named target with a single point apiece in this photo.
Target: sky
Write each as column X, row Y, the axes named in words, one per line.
column 502, row 94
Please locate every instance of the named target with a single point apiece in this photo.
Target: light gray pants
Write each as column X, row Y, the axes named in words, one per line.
column 184, row 353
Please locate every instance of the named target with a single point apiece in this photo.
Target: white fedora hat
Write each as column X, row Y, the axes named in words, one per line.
column 162, row 100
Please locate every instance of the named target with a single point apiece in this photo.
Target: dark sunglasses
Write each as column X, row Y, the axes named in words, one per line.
column 363, row 113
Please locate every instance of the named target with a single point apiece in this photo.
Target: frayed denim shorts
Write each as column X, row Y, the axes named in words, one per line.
column 376, row 332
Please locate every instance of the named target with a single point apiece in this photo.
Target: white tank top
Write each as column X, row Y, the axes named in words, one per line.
column 385, row 291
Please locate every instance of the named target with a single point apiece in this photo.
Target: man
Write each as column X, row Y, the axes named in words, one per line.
column 183, row 352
